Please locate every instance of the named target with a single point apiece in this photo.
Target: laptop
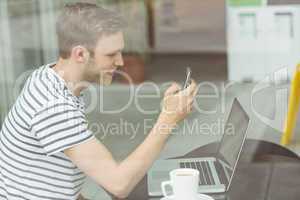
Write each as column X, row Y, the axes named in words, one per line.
column 216, row 173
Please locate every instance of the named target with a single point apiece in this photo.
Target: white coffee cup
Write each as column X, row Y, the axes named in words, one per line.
column 184, row 183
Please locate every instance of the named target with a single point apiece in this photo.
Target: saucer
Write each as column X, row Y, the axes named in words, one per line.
column 199, row 197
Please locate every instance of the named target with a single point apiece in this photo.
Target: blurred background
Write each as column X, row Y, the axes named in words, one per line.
column 248, row 48
column 162, row 35
column 236, row 41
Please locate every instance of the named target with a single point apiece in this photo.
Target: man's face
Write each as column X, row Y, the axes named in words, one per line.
column 107, row 58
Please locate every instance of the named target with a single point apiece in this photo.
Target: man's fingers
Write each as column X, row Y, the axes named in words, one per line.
column 172, row 89
column 190, row 108
column 190, row 101
column 191, row 87
column 195, row 91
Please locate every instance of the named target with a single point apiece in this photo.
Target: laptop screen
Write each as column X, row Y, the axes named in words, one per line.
column 234, row 136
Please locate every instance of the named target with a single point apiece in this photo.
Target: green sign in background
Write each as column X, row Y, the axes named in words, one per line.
column 245, row 2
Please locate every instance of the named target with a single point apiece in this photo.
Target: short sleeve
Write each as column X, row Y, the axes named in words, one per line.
column 59, row 126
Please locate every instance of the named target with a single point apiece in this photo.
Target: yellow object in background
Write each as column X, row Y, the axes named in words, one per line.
column 293, row 108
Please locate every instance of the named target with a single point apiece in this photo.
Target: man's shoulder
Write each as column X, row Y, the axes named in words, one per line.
column 44, row 90
column 59, row 105
column 42, row 77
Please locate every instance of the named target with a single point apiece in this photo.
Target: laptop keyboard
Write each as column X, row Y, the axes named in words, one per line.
column 205, row 174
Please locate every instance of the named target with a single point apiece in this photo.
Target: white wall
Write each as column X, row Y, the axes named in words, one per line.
column 263, row 40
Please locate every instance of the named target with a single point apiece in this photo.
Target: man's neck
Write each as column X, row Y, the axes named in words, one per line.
column 71, row 74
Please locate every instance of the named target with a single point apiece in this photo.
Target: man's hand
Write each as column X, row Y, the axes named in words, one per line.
column 119, row 179
column 177, row 104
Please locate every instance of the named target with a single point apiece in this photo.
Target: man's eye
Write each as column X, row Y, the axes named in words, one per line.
column 111, row 55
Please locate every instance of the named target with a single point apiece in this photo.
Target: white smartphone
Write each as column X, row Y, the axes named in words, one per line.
column 188, row 79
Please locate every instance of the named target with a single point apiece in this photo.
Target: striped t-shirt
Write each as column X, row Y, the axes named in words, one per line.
column 45, row 120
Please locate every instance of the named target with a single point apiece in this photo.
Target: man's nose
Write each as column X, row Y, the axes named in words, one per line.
column 119, row 60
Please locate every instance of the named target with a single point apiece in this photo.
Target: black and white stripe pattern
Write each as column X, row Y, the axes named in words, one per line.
column 45, row 120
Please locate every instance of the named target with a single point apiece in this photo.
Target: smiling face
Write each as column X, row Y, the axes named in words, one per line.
column 107, row 58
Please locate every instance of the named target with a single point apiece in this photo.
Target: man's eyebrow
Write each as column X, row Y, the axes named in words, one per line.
column 114, row 52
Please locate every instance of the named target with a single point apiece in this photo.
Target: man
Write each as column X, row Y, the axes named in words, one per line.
column 46, row 148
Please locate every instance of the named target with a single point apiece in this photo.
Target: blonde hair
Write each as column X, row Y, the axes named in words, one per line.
column 84, row 24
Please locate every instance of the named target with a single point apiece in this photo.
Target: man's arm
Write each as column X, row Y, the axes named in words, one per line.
column 120, row 178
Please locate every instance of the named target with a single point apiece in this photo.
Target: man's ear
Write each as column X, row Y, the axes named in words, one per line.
column 80, row 54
